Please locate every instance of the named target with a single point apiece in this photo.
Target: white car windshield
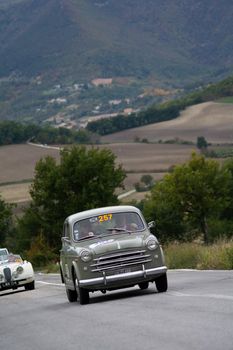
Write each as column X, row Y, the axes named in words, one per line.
column 10, row 258
column 3, row 252
column 107, row 224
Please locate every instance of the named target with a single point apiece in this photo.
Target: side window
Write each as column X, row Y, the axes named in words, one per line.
column 66, row 230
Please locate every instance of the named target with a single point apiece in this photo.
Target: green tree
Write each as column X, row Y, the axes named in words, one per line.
column 6, row 223
column 163, row 207
column 147, row 179
column 145, row 184
column 189, row 196
column 84, row 179
column 228, row 212
column 202, row 143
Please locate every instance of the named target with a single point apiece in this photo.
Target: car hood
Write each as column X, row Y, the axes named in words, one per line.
column 12, row 266
column 111, row 244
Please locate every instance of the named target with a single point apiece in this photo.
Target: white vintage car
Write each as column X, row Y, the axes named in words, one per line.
column 15, row 272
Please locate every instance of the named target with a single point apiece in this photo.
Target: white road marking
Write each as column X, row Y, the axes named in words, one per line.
column 172, row 293
column 126, row 194
column 47, row 274
column 50, row 283
column 213, row 296
column 44, row 146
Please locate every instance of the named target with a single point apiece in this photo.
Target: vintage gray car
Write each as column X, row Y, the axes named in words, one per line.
column 109, row 248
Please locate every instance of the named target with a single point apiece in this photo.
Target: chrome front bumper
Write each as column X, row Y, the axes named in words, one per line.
column 132, row 277
column 15, row 283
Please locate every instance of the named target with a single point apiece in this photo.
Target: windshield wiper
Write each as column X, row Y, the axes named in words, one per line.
column 81, row 239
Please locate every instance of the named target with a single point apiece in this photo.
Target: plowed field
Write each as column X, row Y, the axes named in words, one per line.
column 212, row 120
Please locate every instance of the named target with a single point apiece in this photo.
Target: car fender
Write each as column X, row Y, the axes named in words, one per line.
column 75, row 268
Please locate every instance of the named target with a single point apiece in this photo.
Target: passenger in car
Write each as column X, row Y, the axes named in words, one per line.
column 85, row 229
column 123, row 222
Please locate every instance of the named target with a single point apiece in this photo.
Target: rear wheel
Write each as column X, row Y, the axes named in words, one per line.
column 161, row 283
column 83, row 294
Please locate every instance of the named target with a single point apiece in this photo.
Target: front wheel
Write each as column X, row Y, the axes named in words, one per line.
column 161, row 283
column 83, row 294
column 30, row 286
column 71, row 295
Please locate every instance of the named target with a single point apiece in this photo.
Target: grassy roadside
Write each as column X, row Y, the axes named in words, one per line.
column 218, row 256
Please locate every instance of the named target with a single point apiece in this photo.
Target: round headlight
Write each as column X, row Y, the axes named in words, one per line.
column 152, row 244
column 86, row 255
column 19, row 269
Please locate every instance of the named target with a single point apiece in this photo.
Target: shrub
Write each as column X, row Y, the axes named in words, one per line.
column 40, row 254
column 198, row 256
column 220, row 229
column 180, row 256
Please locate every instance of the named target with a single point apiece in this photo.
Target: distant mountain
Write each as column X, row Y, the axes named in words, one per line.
column 168, row 39
column 51, row 50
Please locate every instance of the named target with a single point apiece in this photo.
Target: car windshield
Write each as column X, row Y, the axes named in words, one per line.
column 108, row 224
column 3, row 252
column 10, row 258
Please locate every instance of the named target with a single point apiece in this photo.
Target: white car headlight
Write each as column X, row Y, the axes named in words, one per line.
column 19, row 269
column 152, row 244
column 86, row 255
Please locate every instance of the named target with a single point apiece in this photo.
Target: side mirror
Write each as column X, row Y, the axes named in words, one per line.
column 151, row 224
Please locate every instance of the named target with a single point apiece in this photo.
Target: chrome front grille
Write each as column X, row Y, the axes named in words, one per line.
column 120, row 260
column 7, row 274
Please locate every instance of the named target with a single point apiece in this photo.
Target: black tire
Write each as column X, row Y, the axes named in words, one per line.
column 61, row 274
column 83, row 294
column 30, row 286
column 161, row 283
column 143, row 285
column 71, row 295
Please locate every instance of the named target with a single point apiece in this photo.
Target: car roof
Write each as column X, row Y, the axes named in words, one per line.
column 98, row 211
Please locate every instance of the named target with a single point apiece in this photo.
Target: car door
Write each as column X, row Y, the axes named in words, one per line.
column 64, row 252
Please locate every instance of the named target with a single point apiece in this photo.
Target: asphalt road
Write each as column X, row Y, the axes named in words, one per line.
column 196, row 313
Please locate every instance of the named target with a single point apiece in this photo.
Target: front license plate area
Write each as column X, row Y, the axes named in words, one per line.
column 9, row 284
column 120, row 271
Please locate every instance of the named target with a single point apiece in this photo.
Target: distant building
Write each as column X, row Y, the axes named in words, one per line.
column 114, row 102
column 58, row 101
column 102, row 81
column 128, row 111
